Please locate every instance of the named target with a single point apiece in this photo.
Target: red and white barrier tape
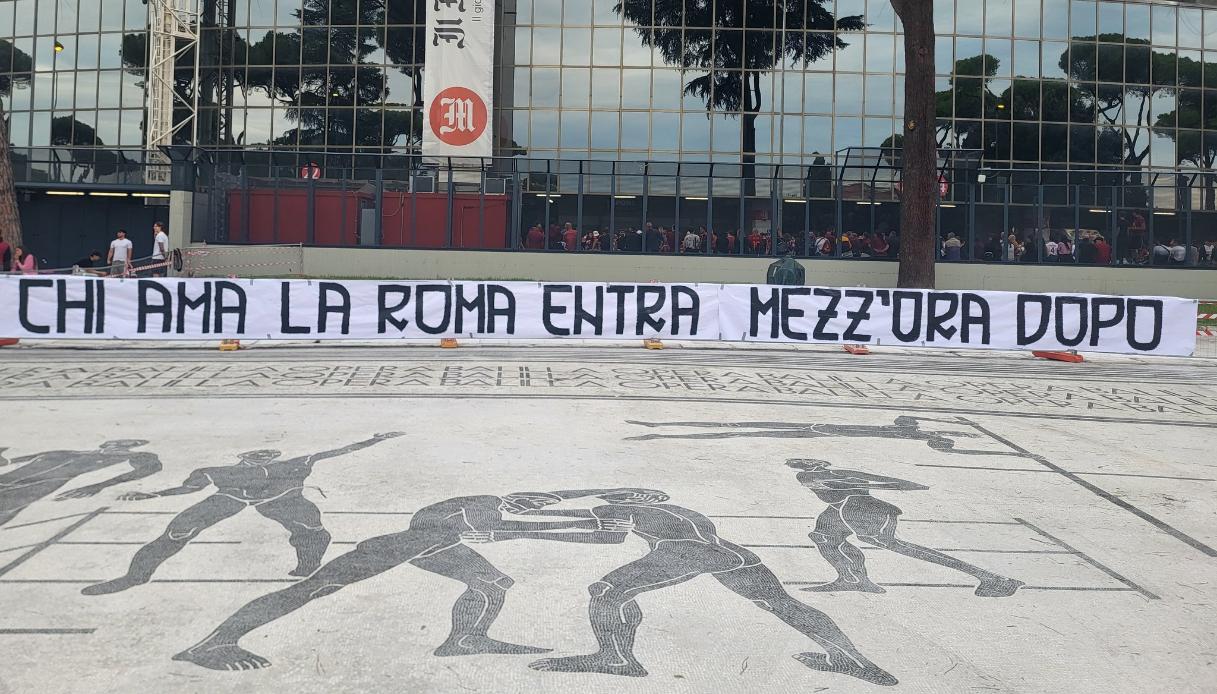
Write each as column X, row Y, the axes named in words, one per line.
column 1208, row 316
column 130, row 272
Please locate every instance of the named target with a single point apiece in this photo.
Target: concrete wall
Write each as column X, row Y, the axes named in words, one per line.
column 595, row 267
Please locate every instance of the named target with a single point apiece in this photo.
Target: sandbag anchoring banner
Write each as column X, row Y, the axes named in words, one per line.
column 193, row 309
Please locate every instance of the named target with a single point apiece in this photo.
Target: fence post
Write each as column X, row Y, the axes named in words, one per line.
column 343, row 225
column 743, row 204
column 646, row 190
column 1187, row 235
column 448, row 224
column 548, row 191
column 245, row 214
column 677, row 242
column 972, row 221
column 1039, row 219
column 481, row 204
column 613, row 205
column 310, row 213
column 839, row 220
column 414, row 209
column 579, row 230
column 805, row 195
column 775, row 210
column 379, row 205
column 1077, row 219
column 517, row 211
column 1005, row 223
column 274, row 211
column 1187, row 214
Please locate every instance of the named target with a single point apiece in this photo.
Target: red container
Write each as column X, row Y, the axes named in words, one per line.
column 418, row 220
column 281, row 216
column 408, row 220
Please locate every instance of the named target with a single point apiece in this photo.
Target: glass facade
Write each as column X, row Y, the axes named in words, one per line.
column 1029, row 83
column 80, row 94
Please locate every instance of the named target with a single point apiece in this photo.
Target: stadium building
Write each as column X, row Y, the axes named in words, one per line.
column 313, row 121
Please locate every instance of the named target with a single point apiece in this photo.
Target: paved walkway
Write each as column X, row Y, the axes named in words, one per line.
column 583, row 518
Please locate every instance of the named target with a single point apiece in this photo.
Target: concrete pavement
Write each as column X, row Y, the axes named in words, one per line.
column 964, row 523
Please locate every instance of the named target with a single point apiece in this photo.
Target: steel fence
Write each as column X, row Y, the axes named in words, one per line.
column 849, row 210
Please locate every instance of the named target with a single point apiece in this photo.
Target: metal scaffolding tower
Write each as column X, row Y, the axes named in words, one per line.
column 173, row 32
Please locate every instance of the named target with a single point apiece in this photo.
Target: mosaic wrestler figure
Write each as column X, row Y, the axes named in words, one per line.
column 42, row 474
column 684, row 545
column 907, row 428
column 853, row 511
column 272, row 487
column 436, row 541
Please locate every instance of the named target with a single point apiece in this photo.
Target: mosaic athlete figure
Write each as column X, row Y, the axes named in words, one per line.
column 435, row 541
column 273, row 487
column 42, row 474
column 907, row 428
column 685, row 544
column 853, row 511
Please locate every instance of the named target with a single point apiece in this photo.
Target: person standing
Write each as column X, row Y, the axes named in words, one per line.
column 1178, row 252
column 1102, row 251
column 952, row 247
column 570, row 236
column 535, row 241
column 24, row 261
column 1064, row 251
column 1193, row 255
column 160, row 247
column 1050, row 249
column 5, row 252
column 691, row 242
column 1011, row 247
column 119, row 257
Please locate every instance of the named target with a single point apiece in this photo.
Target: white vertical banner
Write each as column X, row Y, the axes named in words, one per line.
column 458, row 79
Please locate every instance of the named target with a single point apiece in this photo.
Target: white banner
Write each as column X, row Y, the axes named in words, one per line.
column 191, row 309
column 959, row 320
column 458, row 79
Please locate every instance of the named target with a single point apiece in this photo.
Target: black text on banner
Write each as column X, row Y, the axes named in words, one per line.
column 89, row 308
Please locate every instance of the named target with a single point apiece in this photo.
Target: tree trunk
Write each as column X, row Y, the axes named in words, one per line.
column 752, row 106
column 748, row 160
column 230, row 83
column 10, row 217
column 918, row 243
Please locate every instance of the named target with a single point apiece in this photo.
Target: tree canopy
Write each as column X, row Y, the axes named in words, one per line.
column 727, row 45
column 319, row 73
column 13, row 60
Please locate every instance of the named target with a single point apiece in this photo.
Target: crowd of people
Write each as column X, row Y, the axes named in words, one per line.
column 1033, row 245
column 651, row 238
column 119, row 258
column 1133, row 245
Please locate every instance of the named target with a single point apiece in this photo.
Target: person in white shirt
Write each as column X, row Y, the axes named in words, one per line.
column 119, row 256
column 692, row 241
column 1178, row 252
column 160, row 247
column 1050, row 248
column 1193, row 255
